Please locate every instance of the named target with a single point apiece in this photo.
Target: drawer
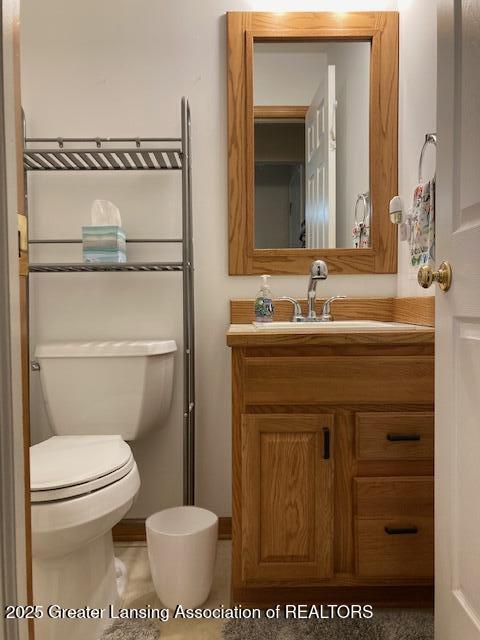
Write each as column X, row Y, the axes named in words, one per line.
column 394, row 436
column 395, row 547
column 340, row 379
column 392, row 497
column 394, row 527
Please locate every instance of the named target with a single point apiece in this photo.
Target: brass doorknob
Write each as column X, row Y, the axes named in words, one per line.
column 427, row 276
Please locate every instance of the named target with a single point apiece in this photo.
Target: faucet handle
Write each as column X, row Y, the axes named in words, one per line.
column 297, row 309
column 326, row 315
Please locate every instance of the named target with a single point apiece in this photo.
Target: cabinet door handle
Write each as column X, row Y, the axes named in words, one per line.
column 326, row 443
column 398, row 531
column 403, row 437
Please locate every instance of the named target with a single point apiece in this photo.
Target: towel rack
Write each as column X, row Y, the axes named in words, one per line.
column 430, row 138
column 365, row 199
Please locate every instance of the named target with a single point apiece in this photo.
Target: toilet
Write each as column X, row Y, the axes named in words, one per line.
column 84, row 479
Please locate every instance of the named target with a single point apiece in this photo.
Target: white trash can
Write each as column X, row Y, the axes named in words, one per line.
column 182, row 544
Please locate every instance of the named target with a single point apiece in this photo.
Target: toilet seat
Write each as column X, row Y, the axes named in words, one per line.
column 64, row 467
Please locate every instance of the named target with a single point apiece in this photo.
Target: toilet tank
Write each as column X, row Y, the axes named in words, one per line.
column 107, row 388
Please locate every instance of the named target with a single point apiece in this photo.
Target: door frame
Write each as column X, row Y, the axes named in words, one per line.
column 15, row 564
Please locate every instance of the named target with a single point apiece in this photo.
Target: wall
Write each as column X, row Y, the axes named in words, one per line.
column 352, row 71
column 119, row 68
column 287, row 73
column 417, row 114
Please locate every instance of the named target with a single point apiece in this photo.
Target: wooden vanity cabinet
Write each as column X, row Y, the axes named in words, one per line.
column 287, row 496
column 333, row 473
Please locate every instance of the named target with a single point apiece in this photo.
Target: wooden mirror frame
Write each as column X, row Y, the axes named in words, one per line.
column 381, row 30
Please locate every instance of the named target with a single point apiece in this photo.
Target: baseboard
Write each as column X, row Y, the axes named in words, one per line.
column 224, row 528
column 133, row 530
column 130, row 530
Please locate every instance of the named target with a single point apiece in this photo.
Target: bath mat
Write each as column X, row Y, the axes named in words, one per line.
column 402, row 624
column 132, row 630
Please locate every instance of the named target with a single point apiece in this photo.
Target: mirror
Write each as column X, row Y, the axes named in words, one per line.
column 312, row 141
column 311, row 144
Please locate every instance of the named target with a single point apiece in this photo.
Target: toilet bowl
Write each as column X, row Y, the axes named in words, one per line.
column 81, row 486
column 84, row 479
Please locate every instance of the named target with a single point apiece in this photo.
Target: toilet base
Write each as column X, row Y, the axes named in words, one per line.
column 87, row 577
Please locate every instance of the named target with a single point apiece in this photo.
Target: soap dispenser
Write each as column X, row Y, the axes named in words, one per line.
column 263, row 302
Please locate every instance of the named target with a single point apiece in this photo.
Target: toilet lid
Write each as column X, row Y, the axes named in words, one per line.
column 104, row 348
column 64, row 466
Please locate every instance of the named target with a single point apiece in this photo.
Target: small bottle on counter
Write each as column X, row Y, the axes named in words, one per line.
column 263, row 302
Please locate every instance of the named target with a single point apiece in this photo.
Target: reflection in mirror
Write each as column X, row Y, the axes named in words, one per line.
column 311, row 144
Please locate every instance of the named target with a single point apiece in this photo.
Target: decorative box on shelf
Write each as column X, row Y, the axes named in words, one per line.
column 104, row 244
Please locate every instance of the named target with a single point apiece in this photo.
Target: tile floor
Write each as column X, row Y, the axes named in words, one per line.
column 141, row 592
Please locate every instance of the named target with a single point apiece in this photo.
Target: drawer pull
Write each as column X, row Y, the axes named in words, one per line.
column 398, row 531
column 403, row 437
column 326, row 443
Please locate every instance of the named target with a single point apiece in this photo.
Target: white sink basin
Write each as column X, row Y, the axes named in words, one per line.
column 335, row 325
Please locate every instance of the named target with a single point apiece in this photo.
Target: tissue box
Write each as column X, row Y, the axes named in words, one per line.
column 104, row 244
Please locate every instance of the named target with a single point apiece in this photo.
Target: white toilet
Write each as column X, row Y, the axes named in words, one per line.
column 84, row 479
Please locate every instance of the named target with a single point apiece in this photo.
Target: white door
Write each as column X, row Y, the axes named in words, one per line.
column 320, row 172
column 457, row 467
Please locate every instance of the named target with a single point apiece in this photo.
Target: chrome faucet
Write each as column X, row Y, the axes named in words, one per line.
column 318, row 271
column 326, row 315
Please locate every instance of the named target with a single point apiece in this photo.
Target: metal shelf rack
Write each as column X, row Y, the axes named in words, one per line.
column 82, row 267
column 100, row 158
column 134, row 154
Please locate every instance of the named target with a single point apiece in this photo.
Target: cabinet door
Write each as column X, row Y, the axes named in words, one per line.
column 287, row 497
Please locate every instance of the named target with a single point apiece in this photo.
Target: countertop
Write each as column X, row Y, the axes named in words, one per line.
column 247, row 335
